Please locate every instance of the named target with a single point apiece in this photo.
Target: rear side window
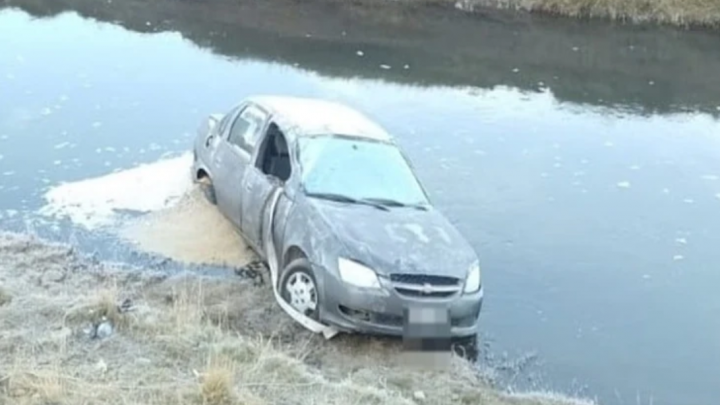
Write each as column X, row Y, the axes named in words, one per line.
column 226, row 119
column 246, row 129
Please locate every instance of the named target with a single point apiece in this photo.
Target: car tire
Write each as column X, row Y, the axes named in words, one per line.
column 304, row 296
column 209, row 192
column 467, row 347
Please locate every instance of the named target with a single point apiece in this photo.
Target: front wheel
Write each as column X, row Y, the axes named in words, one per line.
column 299, row 288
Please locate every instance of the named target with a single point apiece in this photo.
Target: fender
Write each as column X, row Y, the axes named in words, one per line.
column 273, row 263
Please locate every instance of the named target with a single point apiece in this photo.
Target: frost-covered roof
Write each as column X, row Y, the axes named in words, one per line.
column 310, row 116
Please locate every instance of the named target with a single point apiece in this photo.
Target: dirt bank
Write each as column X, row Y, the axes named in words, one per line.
column 705, row 13
column 77, row 331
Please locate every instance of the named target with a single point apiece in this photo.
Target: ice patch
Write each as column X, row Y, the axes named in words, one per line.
column 95, row 202
column 624, row 184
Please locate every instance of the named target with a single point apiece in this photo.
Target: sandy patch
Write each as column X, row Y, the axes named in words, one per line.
column 191, row 231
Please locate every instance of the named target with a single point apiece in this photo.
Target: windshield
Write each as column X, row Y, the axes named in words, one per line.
column 358, row 169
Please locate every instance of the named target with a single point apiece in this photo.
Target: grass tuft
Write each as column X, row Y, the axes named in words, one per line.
column 217, row 382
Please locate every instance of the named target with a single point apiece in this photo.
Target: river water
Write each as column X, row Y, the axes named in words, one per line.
column 582, row 161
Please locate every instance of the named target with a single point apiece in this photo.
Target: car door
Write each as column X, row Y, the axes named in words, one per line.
column 258, row 187
column 232, row 157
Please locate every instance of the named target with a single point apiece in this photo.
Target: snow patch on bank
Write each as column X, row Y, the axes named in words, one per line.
column 98, row 202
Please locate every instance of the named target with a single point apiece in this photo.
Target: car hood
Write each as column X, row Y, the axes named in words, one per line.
column 400, row 240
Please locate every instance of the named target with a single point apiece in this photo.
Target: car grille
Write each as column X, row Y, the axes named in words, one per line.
column 425, row 286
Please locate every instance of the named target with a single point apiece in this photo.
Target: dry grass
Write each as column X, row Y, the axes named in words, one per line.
column 676, row 12
column 191, row 341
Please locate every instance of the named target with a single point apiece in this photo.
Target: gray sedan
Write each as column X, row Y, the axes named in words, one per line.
column 328, row 198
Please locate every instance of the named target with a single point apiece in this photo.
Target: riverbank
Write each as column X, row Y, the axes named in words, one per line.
column 686, row 13
column 73, row 330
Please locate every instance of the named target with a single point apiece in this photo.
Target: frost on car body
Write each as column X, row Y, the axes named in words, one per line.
column 328, row 199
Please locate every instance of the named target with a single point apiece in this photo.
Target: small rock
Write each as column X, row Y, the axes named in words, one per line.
column 419, row 395
column 104, row 330
column 360, row 53
column 386, row 67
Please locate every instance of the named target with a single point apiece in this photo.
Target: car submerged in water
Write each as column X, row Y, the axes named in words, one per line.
column 327, row 198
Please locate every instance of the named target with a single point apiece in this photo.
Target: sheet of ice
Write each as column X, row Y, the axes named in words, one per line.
column 96, row 202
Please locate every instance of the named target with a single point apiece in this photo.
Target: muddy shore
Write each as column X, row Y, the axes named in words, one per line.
column 74, row 330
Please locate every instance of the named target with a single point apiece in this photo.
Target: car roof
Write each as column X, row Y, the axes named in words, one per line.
column 304, row 116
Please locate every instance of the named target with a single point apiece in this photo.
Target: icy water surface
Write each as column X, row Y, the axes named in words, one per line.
column 598, row 225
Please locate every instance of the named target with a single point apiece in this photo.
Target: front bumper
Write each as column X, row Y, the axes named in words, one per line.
column 353, row 309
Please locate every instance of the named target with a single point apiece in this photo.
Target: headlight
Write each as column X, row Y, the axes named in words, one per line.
column 356, row 274
column 472, row 283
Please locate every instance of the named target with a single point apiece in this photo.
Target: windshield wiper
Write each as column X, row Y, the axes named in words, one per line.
column 347, row 199
column 393, row 203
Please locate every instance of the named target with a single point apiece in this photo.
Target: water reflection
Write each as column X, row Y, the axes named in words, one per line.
column 596, row 225
column 658, row 70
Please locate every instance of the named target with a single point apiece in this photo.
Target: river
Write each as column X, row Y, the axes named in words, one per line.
column 581, row 160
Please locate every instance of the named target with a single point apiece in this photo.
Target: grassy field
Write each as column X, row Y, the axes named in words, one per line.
column 185, row 339
column 676, row 12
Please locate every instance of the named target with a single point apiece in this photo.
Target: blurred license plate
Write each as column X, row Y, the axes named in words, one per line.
column 427, row 315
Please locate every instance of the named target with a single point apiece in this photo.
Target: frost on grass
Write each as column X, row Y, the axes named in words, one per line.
column 189, row 340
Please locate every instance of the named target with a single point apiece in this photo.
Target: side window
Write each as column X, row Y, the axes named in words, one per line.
column 246, row 129
column 225, row 120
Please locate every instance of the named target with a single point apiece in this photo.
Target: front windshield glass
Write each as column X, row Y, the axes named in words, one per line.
column 359, row 169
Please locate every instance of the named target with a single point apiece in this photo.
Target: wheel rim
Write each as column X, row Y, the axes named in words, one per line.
column 302, row 292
